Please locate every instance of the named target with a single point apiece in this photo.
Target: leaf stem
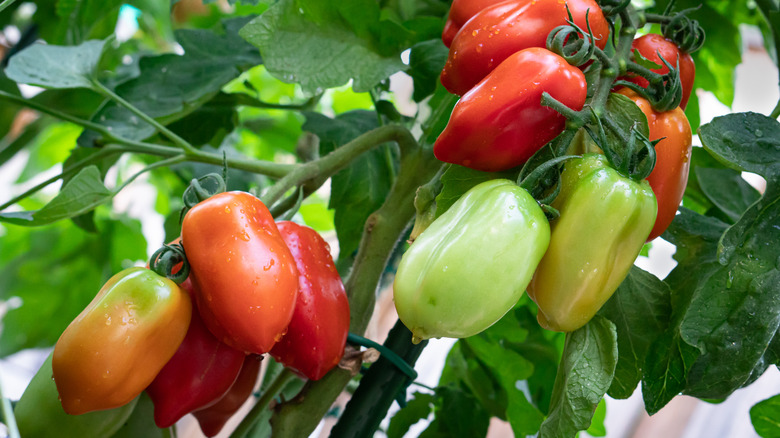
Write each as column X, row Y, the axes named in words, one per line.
column 103, row 153
column 182, row 143
column 162, row 163
column 6, row 4
column 262, row 403
column 8, row 414
column 247, row 100
column 271, row 169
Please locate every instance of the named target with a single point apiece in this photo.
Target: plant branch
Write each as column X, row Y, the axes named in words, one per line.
column 75, row 167
column 162, row 163
column 247, row 100
column 262, row 403
column 323, row 168
column 8, row 414
column 182, row 143
column 271, row 169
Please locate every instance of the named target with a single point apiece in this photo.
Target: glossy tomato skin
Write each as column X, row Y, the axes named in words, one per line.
column 472, row 264
column 199, row 374
column 604, row 221
column 673, row 159
column 315, row 339
column 653, row 45
column 245, row 276
column 460, row 12
column 501, row 122
column 116, row 346
column 213, row 418
column 498, row 31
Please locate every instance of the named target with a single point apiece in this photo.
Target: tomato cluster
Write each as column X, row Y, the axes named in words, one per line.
column 498, row 63
column 254, row 287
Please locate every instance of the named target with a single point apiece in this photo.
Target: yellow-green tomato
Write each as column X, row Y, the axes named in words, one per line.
column 472, row 264
column 605, row 219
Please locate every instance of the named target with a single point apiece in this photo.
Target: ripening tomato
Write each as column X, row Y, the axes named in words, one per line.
column 673, row 159
column 116, row 346
column 651, row 46
column 460, row 12
column 245, row 277
column 498, row 31
column 317, row 334
column 501, row 122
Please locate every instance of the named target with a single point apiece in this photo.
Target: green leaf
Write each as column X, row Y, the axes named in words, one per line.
column 737, row 309
column 584, row 375
column 508, row 368
column 141, row 422
column 52, row 66
column 82, row 19
column 640, row 309
column 727, row 190
column 415, row 410
column 210, row 123
column 425, row 64
column 597, row 426
column 360, row 188
column 463, row 367
column 51, row 273
column 457, row 180
column 172, row 86
column 694, row 197
column 765, row 416
column 745, row 142
column 457, row 413
column 323, row 45
column 80, row 195
column 669, row 357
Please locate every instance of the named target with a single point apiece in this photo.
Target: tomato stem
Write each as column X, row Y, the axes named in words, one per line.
column 284, row 377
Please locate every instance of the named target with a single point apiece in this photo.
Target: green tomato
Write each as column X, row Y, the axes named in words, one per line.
column 605, row 219
column 39, row 412
column 472, row 264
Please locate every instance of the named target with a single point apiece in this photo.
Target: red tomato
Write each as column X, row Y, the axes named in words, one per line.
column 498, row 31
column 245, row 276
column 673, row 159
column 315, row 339
column 200, row 373
column 460, row 12
column 213, row 418
column 500, row 123
column 653, row 45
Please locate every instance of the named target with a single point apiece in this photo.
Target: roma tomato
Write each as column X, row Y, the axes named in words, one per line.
column 501, row 122
column 245, row 277
column 472, row 264
column 213, row 418
column 39, row 413
column 605, row 219
column 116, row 346
column 498, row 31
column 200, row 373
column 653, row 46
column 317, row 334
column 673, row 159
column 460, row 12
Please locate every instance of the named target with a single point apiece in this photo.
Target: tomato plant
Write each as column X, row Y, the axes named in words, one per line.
column 415, row 155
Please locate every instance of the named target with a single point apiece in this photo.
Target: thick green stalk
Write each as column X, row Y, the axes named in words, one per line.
column 379, row 387
column 182, row 143
column 262, row 403
column 300, row 416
